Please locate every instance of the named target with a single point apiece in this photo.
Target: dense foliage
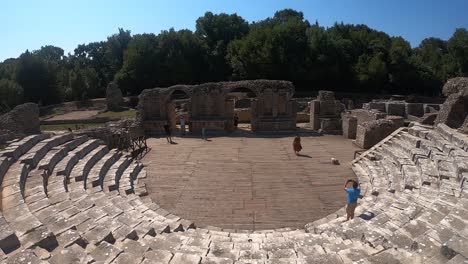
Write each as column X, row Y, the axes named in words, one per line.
column 344, row 57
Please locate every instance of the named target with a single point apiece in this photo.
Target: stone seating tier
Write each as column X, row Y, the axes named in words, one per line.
column 76, row 201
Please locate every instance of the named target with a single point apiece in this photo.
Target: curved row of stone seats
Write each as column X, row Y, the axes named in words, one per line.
column 404, row 225
column 398, row 223
column 125, row 185
column 57, row 153
column 434, row 216
column 48, row 209
column 426, row 162
column 28, row 229
column 76, row 190
column 65, row 166
column 109, row 183
column 17, row 148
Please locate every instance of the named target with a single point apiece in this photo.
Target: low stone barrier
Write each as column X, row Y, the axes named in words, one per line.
column 370, row 133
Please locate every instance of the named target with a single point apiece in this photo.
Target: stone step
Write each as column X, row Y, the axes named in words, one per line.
column 66, row 165
column 84, row 166
column 8, row 239
column 20, row 147
column 58, row 153
column 115, row 173
column 99, row 170
column 40, row 149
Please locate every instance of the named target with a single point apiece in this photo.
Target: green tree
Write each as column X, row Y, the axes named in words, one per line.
column 11, row 94
column 141, row 67
column 218, row 31
column 38, row 79
column 458, row 48
column 273, row 49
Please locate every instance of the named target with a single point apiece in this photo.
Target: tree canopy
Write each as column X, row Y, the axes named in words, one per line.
column 343, row 57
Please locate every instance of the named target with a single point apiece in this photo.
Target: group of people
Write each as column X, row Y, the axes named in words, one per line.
column 168, row 129
column 353, row 191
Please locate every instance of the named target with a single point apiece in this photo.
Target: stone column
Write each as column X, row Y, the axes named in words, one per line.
column 274, row 105
column 314, row 114
column 267, row 102
column 349, row 126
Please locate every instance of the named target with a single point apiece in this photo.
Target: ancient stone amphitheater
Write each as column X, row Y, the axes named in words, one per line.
column 70, row 199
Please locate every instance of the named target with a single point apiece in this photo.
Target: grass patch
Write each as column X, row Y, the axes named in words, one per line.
column 131, row 113
column 62, row 127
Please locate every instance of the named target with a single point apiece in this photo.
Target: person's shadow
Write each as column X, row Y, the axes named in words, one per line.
column 304, row 155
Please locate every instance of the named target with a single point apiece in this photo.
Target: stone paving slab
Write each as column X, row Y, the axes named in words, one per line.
column 248, row 182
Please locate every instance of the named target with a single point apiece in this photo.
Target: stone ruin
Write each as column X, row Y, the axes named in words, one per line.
column 70, row 199
column 370, row 133
column 21, row 120
column 379, row 118
column 417, row 112
column 114, row 97
column 325, row 113
column 454, row 111
column 273, row 109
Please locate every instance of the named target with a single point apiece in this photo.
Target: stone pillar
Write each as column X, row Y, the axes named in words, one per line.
column 171, row 115
column 314, row 114
column 274, row 106
column 349, row 126
column 282, row 105
column 162, row 105
column 229, row 114
column 267, row 102
column 254, row 115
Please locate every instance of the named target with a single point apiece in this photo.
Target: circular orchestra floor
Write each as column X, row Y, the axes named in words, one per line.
column 249, row 183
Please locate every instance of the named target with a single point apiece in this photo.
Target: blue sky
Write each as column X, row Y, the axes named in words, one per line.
column 30, row 24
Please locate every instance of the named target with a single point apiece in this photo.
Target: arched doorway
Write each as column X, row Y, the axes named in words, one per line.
column 242, row 101
column 178, row 105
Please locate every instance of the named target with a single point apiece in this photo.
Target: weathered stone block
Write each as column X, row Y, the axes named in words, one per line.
column 349, row 127
column 326, row 96
column 314, row 114
column 415, row 109
column 23, row 118
column 114, row 97
column 330, row 124
column 380, row 106
column 370, row 133
column 453, row 112
column 395, row 108
column 431, row 108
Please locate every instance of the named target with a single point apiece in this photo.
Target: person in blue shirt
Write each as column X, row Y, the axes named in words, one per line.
column 353, row 195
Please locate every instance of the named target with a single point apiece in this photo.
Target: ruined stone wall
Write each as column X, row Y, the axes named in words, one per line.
column 399, row 108
column 370, row 133
column 454, row 111
column 211, row 108
column 325, row 113
column 22, row 119
column 114, row 97
column 351, row 119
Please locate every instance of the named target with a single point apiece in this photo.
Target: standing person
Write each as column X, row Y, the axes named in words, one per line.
column 353, row 195
column 182, row 124
column 203, row 135
column 297, row 145
column 236, row 120
column 167, row 130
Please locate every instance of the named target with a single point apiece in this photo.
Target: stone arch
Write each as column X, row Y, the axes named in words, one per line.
column 210, row 107
column 174, row 107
